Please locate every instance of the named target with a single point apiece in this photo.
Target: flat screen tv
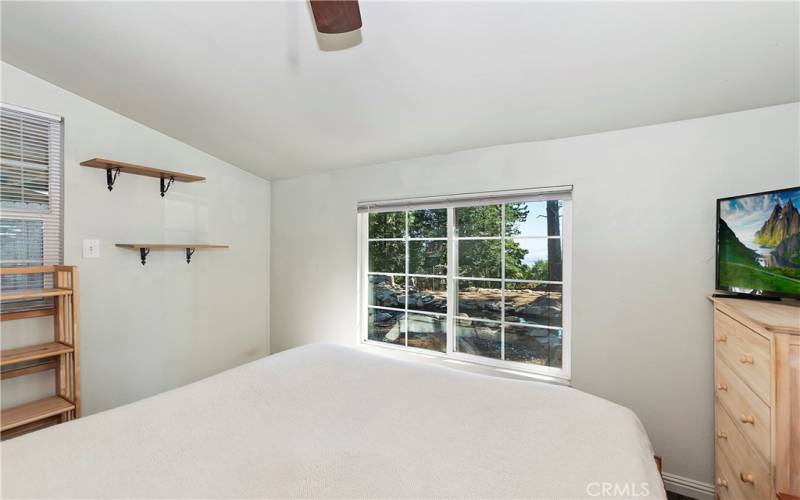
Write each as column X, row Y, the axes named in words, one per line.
column 758, row 243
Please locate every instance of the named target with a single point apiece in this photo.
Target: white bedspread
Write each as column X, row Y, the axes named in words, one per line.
column 328, row 421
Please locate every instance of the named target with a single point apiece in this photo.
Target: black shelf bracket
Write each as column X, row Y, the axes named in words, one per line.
column 189, row 253
column 111, row 179
column 143, row 253
column 165, row 186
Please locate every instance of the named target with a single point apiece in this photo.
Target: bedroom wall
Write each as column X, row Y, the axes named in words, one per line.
column 643, row 259
column 146, row 329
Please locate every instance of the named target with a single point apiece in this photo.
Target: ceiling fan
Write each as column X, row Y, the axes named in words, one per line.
column 336, row 16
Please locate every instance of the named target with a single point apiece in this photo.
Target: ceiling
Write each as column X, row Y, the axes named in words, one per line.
column 251, row 83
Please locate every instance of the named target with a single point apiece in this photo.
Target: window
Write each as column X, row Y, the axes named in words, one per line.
column 30, row 197
column 477, row 278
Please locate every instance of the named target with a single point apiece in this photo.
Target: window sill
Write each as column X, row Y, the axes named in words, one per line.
column 459, row 364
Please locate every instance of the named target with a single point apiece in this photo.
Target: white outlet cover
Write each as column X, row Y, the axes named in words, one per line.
column 91, row 249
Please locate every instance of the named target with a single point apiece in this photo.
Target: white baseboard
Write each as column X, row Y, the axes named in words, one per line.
column 688, row 487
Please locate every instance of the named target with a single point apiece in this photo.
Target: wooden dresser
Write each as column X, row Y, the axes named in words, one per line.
column 757, row 403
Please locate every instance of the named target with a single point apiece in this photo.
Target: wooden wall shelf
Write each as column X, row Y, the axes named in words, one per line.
column 113, row 168
column 144, row 248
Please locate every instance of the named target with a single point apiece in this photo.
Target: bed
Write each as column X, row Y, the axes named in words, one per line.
column 325, row 421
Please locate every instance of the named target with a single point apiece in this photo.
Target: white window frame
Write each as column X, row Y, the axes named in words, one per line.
column 52, row 217
column 452, row 202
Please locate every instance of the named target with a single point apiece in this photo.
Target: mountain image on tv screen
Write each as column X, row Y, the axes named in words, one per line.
column 759, row 243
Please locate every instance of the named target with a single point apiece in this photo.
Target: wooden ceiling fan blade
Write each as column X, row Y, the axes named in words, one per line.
column 336, row 16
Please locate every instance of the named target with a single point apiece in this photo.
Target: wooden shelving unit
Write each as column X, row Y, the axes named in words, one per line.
column 144, row 248
column 61, row 355
column 113, row 168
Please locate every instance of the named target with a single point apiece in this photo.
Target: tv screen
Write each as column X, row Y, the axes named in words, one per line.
column 758, row 243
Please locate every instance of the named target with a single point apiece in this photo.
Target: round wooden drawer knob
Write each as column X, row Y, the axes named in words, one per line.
column 748, row 419
column 746, row 360
column 722, row 482
column 747, row 478
column 722, row 387
column 722, row 435
column 722, row 338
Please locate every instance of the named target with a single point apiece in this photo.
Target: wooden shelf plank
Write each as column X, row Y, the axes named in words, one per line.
column 33, row 313
column 157, row 246
column 33, row 293
column 15, row 371
column 32, row 412
column 32, row 352
column 33, row 426
column 27, row 270
column 130, row 168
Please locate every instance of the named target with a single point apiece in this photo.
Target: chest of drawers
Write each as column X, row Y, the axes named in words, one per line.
column 757, row 399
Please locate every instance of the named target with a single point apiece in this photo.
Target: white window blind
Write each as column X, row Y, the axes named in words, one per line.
column 30, row 196
column 466, row 199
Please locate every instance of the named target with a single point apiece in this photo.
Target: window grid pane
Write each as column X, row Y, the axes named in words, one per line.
column 387, row 225
column 427, row 294
column 526, row 248
column 427, row 331
column 388, row 257
column 508, row 280
column 406, row 274
column 387, row 326
column 479, row 338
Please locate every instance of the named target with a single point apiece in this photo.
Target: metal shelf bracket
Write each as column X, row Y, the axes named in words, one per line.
column 165, row 185
column 143, row 253
column 110, row 180
column 189, row 253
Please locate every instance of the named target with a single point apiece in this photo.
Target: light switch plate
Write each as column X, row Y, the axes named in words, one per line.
column 91, row 249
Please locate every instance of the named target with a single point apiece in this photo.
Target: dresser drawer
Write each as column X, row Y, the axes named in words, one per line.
column 752, row 415
column 747, row 475
column 746, row 352
column 726, row 482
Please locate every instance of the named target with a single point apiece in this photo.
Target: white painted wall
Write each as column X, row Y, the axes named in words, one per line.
column 148, row 329
column 644, row 210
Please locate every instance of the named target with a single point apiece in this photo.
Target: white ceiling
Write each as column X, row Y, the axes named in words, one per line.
column 249, row 83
